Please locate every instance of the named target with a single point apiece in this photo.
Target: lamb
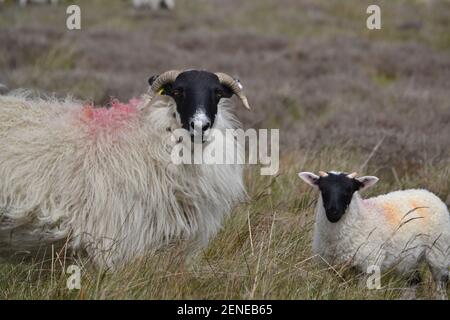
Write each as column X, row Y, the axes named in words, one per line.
column 102, row 181
column 397, row 230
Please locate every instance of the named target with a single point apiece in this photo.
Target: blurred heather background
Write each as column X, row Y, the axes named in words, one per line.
column 311, row 68
column 344, row 97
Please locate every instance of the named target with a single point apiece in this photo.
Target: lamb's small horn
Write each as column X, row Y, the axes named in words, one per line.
column 164, row 78
column 323, row 174
column 352, row 175
column 235, row 86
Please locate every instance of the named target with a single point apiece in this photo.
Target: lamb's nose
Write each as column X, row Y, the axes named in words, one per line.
column 333, row 211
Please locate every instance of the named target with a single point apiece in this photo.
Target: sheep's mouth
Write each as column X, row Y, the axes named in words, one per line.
column 199, row 140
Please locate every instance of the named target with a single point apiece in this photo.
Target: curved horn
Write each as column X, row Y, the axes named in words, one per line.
column 323, row 174
column 166, row 77
column 235, row 86
column 352, row 175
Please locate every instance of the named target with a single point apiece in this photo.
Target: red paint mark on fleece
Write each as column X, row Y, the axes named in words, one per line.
column 109, row 118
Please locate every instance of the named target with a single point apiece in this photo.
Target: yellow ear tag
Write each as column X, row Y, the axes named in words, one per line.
column 161, row 92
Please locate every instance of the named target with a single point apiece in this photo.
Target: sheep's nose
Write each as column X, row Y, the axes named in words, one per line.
column 204, row 125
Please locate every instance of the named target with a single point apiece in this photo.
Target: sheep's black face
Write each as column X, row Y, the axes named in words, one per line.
column 337, row 190
column 197, row 94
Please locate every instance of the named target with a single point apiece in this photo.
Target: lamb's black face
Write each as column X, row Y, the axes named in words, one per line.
column 197, row 94
column 337, row 191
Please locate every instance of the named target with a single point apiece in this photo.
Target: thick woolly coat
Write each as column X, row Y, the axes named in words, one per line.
column 102, row 179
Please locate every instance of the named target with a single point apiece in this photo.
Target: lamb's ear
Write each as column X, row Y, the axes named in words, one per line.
column 309, row 178
column 367, row 182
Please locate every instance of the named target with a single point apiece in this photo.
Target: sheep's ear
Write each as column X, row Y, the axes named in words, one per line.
column 309, row 178
column 228, row 91
column 367, row 182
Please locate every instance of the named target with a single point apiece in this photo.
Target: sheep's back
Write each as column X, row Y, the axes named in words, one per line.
column 411, row 221
column 417, row 207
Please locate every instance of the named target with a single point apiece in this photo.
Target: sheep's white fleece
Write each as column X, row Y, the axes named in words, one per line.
column 399, row 229
column 108, row 184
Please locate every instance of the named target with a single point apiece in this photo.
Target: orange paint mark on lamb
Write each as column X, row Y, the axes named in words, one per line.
column 397, row 215
column 391, row 213
column 420, row 208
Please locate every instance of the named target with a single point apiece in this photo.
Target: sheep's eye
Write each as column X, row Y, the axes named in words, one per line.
column 219, row 94
column 177, row 92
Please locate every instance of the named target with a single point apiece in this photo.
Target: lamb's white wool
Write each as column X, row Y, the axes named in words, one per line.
column 105, row 180
column 397, row 230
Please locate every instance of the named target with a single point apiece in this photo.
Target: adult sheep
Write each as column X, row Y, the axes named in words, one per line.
column 103, row 178
column 397, row 230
